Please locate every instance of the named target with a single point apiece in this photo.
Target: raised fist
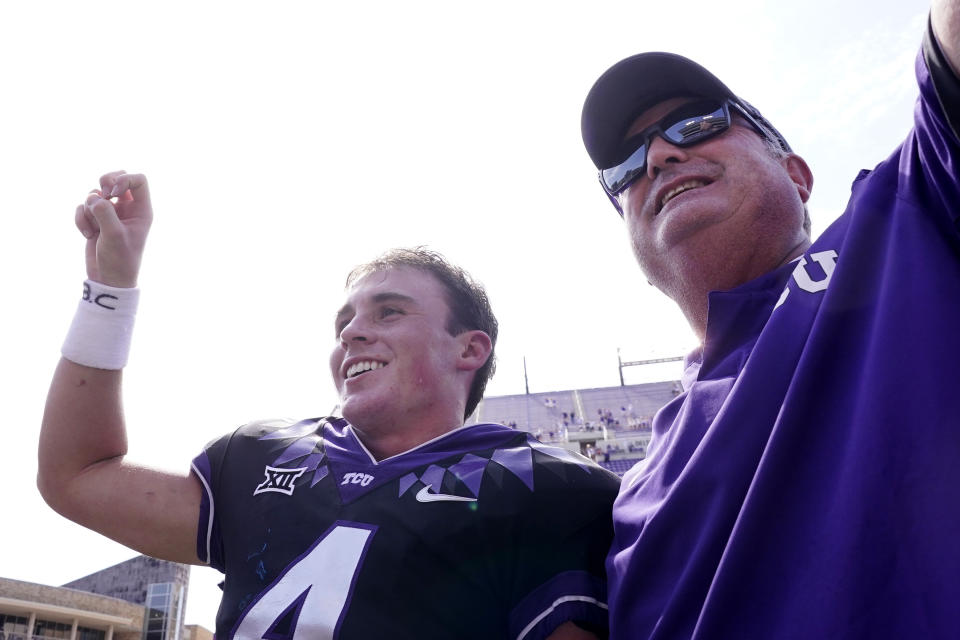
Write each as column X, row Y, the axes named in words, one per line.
column 115, row 220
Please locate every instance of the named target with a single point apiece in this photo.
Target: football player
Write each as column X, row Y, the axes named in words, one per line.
column 392, row 521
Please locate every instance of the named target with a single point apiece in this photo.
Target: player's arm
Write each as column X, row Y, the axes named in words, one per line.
column 570, row 631
column 83, row 472
column 945, row 18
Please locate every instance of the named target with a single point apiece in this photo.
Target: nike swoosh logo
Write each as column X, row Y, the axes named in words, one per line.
column 424, row 495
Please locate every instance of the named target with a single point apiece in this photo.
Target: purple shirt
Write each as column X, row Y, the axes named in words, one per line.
column 806, row 484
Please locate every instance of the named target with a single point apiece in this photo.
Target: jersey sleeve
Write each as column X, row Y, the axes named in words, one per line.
column 561, row 548
column 207, row 466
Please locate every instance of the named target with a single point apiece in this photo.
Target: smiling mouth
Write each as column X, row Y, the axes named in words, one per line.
column 359, row 368
column 677, row 190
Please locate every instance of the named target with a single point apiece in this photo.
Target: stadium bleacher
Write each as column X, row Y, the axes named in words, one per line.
column 628, row 403
column 620, row 466
column 608, row 424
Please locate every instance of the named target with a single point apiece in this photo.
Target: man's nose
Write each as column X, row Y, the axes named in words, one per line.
column 357, row 330
column 661, row 153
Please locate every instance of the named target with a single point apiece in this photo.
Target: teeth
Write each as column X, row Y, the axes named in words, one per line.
column 365, row 365
column 686, row 186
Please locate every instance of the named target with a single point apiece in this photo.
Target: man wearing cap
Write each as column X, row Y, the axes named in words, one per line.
column 806, row 483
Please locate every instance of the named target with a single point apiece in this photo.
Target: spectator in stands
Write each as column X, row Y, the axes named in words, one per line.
column 741, row 524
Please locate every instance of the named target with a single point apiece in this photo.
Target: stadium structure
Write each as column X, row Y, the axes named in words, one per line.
column 611, row 425
column 140, row 599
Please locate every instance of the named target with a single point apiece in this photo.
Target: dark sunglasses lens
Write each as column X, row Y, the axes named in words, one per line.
column 695, row 122
column 682, row 127
column 615, row 179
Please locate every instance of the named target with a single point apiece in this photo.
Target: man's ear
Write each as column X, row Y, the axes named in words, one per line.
column 475, row 350
column 800, row 174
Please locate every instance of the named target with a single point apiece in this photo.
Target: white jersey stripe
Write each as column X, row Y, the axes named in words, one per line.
column 206, row 487
column 552, row 607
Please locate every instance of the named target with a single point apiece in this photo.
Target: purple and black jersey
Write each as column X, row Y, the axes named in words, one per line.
column 806, row 484
column 481, row 533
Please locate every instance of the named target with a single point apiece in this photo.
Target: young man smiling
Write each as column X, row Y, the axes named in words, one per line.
column 398, row 342
column 806, row 483
column 394, row 521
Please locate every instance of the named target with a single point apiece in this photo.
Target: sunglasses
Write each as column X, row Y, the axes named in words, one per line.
column 688, row 125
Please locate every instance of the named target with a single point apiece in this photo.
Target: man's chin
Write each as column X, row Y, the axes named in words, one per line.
column 358, row 411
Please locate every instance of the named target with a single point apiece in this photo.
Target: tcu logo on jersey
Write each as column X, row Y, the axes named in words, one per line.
column 361, row 479
column 279, row 480
column 805, row 280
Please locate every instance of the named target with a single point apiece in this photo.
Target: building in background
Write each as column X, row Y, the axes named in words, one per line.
column 140, row 599
column 29, row 611
column 158, row 585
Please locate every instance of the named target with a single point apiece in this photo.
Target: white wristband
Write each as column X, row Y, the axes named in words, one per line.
column 100, row 334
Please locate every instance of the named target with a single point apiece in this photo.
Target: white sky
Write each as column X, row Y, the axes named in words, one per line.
column 287, row 142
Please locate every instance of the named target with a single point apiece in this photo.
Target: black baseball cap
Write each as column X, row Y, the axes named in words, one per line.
column 637, row 83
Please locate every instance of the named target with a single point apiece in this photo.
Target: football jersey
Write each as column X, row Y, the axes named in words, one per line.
column 806, row 483
column 481, row 533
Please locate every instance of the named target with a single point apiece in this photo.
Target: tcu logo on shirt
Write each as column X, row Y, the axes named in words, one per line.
column 827, row 261
column 361, row 479
column 802, row 276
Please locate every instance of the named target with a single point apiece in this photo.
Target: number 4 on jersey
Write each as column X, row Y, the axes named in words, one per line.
column 310, row 597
